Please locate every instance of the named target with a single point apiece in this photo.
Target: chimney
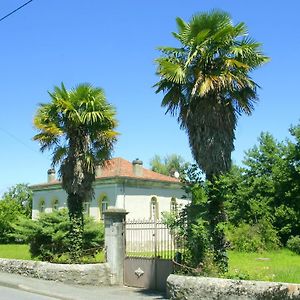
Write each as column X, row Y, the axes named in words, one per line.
column 51, row 175
column 98, row 171
column 137, row 167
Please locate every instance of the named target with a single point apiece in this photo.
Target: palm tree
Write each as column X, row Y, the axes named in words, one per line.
column 79, row 127
column 206, row 83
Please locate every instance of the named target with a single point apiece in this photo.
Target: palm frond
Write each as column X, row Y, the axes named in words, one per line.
column 172, row 70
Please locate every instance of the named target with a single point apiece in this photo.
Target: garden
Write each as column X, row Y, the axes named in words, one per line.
column 243, row 222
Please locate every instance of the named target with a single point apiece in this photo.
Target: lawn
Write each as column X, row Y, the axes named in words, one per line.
column 280, row 266
column 14, row 251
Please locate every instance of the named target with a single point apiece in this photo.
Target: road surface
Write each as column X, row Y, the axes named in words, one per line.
column 17, row 287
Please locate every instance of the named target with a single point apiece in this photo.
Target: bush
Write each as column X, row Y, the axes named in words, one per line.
column 48, row 236
column 253, row 238
column 293, row 244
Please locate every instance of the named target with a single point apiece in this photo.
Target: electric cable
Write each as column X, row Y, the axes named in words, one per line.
column 12, row 12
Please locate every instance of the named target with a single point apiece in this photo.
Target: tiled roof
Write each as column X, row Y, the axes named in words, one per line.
column 120, row 167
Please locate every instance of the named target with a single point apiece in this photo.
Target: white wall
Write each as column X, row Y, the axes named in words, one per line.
column 48, row 196
column 135, row 199
column 138, row 200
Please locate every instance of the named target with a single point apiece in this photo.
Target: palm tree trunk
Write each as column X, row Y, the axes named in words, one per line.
column 76, row 230
column 217, row 216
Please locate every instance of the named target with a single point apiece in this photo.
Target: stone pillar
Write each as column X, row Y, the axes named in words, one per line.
column 114, row 219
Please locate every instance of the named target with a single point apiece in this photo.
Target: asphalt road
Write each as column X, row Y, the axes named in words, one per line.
column 15, row 294
column 13, row 287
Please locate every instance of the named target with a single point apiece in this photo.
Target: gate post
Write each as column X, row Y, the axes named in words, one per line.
column 114, row 221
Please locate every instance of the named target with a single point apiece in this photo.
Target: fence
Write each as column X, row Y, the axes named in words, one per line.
column 150, row 238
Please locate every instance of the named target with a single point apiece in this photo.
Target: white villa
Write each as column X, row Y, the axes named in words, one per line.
column 143, row 193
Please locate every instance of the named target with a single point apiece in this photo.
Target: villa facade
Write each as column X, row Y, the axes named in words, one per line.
column 143, row 193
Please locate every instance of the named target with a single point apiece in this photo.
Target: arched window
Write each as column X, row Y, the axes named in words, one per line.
column 55, row 204
column 42, row 205
column 86, row 207
column 154, row 212
column 173, row 205
column 103, row 205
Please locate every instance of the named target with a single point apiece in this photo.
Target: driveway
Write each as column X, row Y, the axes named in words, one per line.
column 23, row 286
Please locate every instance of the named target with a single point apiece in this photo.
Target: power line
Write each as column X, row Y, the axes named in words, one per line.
column 12, row 12
column 17, row 139
column 20, row 141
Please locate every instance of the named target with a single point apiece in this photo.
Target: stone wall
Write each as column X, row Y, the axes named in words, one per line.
column 85, row 274
column 204, row 288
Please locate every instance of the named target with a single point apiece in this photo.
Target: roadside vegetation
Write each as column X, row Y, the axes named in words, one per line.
column 261, row 201
column 47, row 238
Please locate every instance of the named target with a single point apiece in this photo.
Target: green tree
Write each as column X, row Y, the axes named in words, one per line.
column 79, row 127
column 267, row 188
column 21, row 194
column 206, row 82
column 168, row 164
column 15, row 202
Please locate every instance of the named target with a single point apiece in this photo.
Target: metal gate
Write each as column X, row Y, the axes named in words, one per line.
column 150, row 249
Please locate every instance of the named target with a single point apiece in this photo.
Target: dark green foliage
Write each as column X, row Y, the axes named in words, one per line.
column 15, row 202
column 268, row 187
column 253, row 238
column 293, row 244
column 261, row 201
column 192, row 229
column 49, row 236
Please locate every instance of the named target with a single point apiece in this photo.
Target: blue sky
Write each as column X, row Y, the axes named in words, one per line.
column 112, row 44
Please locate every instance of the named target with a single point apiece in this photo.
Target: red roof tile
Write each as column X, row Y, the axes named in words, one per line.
column 120, row 167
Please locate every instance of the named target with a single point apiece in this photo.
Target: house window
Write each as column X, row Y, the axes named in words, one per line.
column 42, row 206
column 86, row 208
column 103, row 204
column 55, row 204
column 154, row 208
column 173, row 205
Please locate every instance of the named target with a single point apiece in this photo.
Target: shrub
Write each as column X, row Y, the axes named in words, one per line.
column 293, row 244
column 48, row 236
column 253, row 238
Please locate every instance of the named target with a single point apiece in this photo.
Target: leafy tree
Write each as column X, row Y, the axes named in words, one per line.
column 168, row 164
column 79, row 127
column 14, row 203
column 206, row 82
column 21, row 194
column 267, row 188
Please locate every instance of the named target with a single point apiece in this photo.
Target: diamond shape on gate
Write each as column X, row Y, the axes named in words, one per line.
column 139, row 272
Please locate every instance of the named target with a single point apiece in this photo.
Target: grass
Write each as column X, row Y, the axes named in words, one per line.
column 15, row 251
column 281, row 266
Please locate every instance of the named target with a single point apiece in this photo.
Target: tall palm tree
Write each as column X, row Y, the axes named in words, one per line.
column 79, row 127
column 206, row 82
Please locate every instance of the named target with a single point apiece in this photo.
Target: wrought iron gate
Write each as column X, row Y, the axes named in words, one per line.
column 150, row 248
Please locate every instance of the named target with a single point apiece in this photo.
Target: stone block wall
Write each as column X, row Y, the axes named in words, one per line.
column 85, row 274
column 204, row 288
